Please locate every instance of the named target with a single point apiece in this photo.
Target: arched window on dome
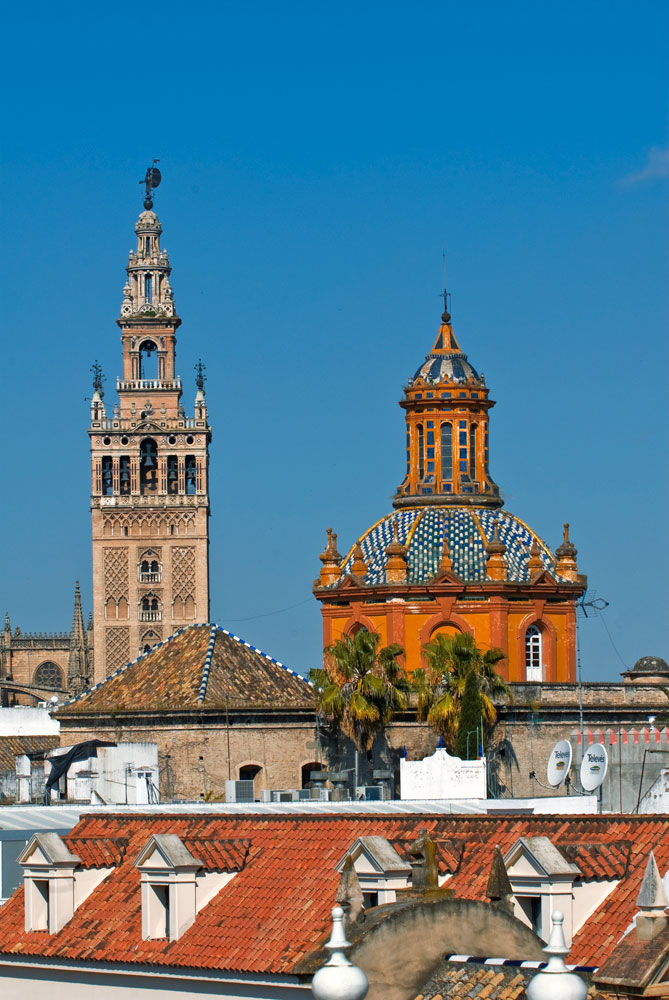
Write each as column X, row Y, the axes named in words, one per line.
column 533, row 654
column 49, row 675
column 446, row 451
column 421, row 451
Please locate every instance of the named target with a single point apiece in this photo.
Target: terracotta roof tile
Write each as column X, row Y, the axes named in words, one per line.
column 200, row 667
column 276, row 909
column 12, row 746
column 98, row 852
column 598, row 861
column 219, row 855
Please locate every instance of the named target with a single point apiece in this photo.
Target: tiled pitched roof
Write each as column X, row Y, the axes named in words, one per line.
column 459, row 981
column 277, row 908
column 12, row 746
column 598, row 861
column 449, row 853
column 473, row 979
column 98, row 852
column 201, row 667
column 219, row 855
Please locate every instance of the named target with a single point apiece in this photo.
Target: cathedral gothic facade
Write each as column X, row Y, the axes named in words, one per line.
column 450, row 558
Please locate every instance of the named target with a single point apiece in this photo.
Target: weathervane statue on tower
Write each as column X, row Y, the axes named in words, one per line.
column 152, row 179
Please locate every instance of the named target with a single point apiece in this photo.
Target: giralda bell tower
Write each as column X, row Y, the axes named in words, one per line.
column 149, row 469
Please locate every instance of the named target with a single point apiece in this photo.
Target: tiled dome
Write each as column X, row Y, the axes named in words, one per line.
column 446, row 368
column 467, row 531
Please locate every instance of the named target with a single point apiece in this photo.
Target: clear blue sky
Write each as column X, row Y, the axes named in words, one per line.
column 317, row 160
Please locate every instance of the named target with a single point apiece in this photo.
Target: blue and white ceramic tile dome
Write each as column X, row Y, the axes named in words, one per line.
column 467, row 530
column 446, row 368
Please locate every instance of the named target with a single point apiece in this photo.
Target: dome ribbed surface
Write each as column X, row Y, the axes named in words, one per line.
column 467, row 531
column 450, row 368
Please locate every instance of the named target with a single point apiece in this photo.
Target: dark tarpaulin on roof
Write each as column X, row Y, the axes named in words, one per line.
column 60, row 765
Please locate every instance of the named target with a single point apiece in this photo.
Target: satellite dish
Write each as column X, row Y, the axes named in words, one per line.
column 593, row 767
column 559, row 763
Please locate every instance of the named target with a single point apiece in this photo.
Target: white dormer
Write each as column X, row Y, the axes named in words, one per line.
column 48, row 872
column 380, row 870
column 55, row 882
column 168, row 884
column 542, row 881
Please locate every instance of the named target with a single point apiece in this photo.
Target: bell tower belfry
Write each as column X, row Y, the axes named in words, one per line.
column 149, row 469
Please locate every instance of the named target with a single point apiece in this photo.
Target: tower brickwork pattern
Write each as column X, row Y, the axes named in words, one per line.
column 149, row 474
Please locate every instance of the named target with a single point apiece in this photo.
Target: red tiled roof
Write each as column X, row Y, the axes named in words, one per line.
column 449, row 853
column 277, row 908
column 199, row 667
column 219, row 855
column 98, row 852
column 598, row 861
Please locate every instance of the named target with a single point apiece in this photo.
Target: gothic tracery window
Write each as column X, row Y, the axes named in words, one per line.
column 49, row 675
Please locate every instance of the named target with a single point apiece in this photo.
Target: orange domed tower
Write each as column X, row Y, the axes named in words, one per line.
column 447, row 405
column 449, row 557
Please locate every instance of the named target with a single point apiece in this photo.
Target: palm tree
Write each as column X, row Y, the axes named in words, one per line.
column 360, row 686
column 441, row 686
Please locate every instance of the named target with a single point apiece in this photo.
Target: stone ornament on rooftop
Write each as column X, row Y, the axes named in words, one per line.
column 339, row 979
column 555, row 982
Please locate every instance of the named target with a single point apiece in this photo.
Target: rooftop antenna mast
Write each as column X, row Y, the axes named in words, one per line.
column 152, row 179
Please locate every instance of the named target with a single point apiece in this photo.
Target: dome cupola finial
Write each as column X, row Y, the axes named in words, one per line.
column 446, row 316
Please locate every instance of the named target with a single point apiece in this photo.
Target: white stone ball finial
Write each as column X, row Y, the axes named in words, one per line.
column 339, row 979
column 555, row 982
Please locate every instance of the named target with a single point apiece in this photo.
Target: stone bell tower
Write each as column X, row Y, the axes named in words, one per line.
column 149, row 470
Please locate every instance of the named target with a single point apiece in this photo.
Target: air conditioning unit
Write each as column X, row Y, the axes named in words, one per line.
column 239, row 791
column 283, row 795
column 265, row 795
column 304, row 794
column 372, row 793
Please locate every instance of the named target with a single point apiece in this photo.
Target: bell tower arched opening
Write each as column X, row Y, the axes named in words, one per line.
column 148, row 358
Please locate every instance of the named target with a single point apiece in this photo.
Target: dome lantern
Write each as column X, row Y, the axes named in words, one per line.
column 446, row 404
